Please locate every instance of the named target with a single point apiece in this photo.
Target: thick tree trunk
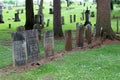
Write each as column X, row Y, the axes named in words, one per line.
column 104, row 19
column 29, row 15
column 40, row 11
column 57, row 19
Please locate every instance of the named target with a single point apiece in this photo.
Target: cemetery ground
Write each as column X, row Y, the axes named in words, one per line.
column 80, row 64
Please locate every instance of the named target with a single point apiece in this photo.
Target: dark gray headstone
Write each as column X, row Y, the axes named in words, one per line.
column 17, row 19
column 87, row 17
column 51, row 11
column 48, row 22
column 62, row 20
column 49, row 43
column 74, row 17
column 70, row 18
column 32, row 45
column 19, row 49
column 0, row 10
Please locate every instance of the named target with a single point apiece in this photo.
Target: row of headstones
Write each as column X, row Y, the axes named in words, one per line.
column 26, row 46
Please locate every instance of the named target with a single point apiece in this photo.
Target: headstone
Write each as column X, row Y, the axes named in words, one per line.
column 74, row 18
column 49, row 43
column 48, row 22
column 87, row 17
column 22, row 11
column 79, row 35
column 70, row 18
column 68, row 40
column 9, row 26
column 25, row 47
column 82, row 15
column 62, row 20
column 117, row 25
column 17, row 19
column 9, row 7
column 92, row 14
column 37, row 26
column 51, row 3
column 32, row 45
column 51, row 11
column 88, row 34
column 19, row 49
column 1, row 17
column 84, row 4
column 80, row 3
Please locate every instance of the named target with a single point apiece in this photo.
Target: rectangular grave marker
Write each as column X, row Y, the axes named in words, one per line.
column 49, row 43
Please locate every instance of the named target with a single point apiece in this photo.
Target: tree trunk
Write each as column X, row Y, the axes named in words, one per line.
column 104, row 19
column 57, row 19
column 40, row 8
column 29, row 14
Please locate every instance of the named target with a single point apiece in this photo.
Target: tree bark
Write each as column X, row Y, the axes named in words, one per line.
column 29, row 14
column 104, row 19
column 40, row 12
column 57, row 19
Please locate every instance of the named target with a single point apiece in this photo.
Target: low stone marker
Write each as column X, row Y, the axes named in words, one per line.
column 25, row 47
column 88, row 34
column 68, row 40
column 79, row 35
column 49, row 43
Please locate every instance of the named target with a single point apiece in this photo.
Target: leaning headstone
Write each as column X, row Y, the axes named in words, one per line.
column 70, row 18
column 79, row 35
column 74, row 18
column 32, row 45
column 62, row 20
column 17, row 19
column 49, row 43
column 68, row 40
column 19, row 49
column 88, row 34
column 48, row 22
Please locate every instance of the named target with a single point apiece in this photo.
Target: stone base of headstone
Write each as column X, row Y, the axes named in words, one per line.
column 49, row 43
column 68, row 40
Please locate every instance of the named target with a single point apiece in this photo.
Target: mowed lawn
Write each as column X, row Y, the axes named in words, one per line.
column 97, row 64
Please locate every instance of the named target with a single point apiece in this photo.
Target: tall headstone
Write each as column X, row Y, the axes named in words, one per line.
column 17, row 19
column 19, row 49
column 51, row 11
column 79, row 35
column 1, row 17
column 88, row 34
column 70, row 18
column 87, row 17
column 62, row 20
column 48, row 22
column 74, row 17
column 68, row 40
column 32, row 45
column 49, row 43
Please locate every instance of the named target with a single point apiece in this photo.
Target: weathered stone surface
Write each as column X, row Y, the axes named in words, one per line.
column 49, row 43
column 79, row 35
column 19, row 49
column 32, row 45
column 68, row 40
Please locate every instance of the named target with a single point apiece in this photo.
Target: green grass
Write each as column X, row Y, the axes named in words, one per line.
column 96, row 64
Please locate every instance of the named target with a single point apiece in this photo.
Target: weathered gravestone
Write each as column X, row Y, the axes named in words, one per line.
column 17, row 19
column 25, row 47
column 51, row 11
column 49, row 43
column 87, row 17
column 68, row 40
column 48, row 22
column 19, row 49
column 1, row 17
column 70, row 18
column 62, row 20
column 32, row 43
column 88, row 34
column 79, row 35
column 74, row 17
